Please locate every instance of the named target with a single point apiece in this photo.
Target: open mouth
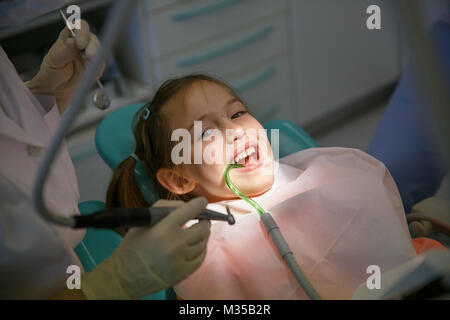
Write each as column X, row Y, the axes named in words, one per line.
column 250, row 157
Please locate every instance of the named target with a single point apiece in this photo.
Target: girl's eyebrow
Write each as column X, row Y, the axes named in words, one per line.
column 231, row 101
column 228, row 103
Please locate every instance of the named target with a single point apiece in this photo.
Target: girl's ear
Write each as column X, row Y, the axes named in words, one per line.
column 175, row 182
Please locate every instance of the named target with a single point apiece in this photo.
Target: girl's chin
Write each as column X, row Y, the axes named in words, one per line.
column 261, row 189
column 255, row 188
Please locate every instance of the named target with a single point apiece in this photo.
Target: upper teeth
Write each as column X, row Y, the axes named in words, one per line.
column 244, row 154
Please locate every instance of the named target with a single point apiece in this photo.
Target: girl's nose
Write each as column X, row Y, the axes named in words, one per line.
column 234, row 133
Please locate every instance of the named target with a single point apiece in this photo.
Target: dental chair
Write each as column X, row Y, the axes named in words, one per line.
column 115, row 141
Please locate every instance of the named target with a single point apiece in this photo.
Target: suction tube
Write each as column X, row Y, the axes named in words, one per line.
column 275, row 234
column 236, row 191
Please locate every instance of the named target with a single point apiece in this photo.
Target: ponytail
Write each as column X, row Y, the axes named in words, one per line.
column 123, row 190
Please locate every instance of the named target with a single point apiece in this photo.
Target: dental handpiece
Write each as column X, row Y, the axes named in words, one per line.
column 115, row 218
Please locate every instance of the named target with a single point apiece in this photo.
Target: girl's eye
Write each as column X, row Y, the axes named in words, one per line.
column 237, row 114
column 206, row 133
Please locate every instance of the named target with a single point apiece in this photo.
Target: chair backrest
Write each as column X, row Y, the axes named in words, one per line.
column 115, row 141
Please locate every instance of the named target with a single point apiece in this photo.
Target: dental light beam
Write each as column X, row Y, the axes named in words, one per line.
column 275, row 234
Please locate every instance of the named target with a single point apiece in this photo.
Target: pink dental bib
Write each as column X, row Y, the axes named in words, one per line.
column 339, row 211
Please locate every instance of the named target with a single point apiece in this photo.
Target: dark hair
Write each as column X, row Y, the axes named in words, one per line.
column 153, row 147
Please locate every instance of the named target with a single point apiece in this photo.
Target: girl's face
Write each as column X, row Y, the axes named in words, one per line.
column 228, row 134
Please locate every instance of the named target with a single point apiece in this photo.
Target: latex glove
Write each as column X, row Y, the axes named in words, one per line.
column 151, row 260
column 430, row 215
column 63, row 66
column 436, row 207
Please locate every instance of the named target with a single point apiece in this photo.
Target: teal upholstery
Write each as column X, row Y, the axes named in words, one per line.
column 101, row 243
column 114, row 141
column 291, row 137
column 114, row 137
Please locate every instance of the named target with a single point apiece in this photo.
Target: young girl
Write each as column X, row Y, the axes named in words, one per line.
column 338, row 208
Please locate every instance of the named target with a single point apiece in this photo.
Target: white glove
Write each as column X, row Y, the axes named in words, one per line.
column 428, row 216
column 63, row 66
column 434, row 207
column 151, row 260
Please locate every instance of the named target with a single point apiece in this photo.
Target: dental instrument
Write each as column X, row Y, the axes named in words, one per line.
column 100, row 99
column 275, row 234
column 138, row 217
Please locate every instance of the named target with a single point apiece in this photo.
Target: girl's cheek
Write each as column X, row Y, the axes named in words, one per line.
column 252, row 122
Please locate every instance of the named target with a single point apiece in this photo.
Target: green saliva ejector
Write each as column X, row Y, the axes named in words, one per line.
column 275, row 234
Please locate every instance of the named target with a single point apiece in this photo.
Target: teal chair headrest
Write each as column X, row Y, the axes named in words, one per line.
column 115, row 142
column 114, row 136
column 291, row 137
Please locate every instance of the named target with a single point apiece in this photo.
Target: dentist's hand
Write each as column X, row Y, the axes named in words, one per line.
column 64, row 65
column 151, row 260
